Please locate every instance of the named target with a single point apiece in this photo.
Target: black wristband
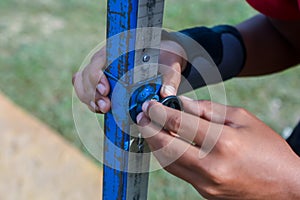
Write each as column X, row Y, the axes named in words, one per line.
column 223, row 44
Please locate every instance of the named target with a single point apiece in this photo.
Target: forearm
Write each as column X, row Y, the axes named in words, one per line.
column 271, row 45
column 291, row 180
column 257, row 46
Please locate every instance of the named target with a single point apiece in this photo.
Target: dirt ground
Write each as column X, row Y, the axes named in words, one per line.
column 37, row 164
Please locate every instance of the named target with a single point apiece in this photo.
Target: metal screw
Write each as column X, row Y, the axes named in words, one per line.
column 146, row 58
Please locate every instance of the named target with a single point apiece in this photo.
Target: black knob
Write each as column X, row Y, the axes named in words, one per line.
column 172, row 102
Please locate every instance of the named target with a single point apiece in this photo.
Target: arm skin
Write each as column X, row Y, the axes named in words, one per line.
column 233, row 155
column 249, row 160
column 272, row 45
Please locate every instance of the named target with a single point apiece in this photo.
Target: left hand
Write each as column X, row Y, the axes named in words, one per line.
column 92, row 86
column 247, row 159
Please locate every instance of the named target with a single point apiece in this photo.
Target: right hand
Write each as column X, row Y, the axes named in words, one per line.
column 224, row 152
column 92, row 86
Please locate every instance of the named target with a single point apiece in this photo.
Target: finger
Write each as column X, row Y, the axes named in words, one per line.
column 189, row 127
column 158, row 138
column 93, row 73
column 94, row 108
column 94, row 70
column 213, row 112
column 175, row 155
column 79, row 88
column 171, row 62
column 103, row 104
column 92, row 76
column 171, row 79
column 100, row 106
column 92, row 98
column 92, row 93
column 205, row 109
column 103, row 86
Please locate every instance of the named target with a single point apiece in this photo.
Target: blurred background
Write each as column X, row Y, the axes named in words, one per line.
column 43, row 42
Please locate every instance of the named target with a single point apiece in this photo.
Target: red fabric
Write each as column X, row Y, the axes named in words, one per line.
column 278, row 9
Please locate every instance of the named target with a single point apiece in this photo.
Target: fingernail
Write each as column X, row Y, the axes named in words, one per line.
column 101, row 88
column 139, row 117
column 169, row 90
column 93, row 105
column 102, row 105
column 142, row 120
column 145, row 106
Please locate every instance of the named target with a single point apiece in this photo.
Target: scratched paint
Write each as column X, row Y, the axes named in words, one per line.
column 121, row 16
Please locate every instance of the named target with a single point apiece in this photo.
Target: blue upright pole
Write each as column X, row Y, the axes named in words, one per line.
column 121, row 16
column 133, row 41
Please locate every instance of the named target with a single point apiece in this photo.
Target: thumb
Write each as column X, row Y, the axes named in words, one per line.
column 171, row 79
column 172, row 59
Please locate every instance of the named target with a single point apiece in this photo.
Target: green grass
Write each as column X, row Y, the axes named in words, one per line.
column 42, row 43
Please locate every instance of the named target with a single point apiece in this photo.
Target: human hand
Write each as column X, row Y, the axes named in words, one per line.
column 247, row 159
column 92, row 87
column 91, row 84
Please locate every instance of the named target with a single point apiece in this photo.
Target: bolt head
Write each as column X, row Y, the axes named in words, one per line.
column 146, row 58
